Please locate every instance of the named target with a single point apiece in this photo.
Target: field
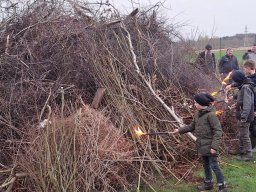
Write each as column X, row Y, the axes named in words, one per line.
column 240, row 177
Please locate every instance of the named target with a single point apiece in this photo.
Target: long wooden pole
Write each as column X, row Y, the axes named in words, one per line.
column 134, row 60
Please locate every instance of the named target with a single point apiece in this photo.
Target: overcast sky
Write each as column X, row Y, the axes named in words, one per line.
column 220, row 17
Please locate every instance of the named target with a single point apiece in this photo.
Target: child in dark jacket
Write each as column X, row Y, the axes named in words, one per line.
column 249, row 70
column 206, row 127
column 245, row 113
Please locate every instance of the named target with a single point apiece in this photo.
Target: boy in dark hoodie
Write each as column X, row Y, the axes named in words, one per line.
column 206, row 127
column 245, row 113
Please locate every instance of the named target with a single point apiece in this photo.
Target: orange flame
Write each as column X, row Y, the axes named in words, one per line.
column 214, row 93
column 219, row 112
column 227, row 78
column 139, row 132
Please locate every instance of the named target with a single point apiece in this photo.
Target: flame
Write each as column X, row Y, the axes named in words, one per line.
column 219, row 112
column 226, row 78
column 139, row 132
column 214, row 93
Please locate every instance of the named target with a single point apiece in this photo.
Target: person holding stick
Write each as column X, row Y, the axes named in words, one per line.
column 207, row 128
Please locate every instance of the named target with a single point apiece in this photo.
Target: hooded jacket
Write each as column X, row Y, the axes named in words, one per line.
column 206, row 127
column 249, row 55
column 245, row 103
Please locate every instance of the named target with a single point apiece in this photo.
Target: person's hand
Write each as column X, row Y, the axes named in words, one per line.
column 227, row 88
column 230, row 97
column 223, row 83
column 213, row 151
column 174, row 131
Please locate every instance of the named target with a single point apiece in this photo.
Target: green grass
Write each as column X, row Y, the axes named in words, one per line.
column 240, row 177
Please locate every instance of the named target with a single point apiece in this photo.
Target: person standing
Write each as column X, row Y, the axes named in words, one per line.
column 207, row 128
column 206, row 60
column 250, row 54
column 249, row 70
column 228, row 63
column 245, row 113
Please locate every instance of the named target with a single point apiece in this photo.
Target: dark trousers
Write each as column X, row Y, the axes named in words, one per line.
column 244, row 138
column 252, row 128
column 211, row 163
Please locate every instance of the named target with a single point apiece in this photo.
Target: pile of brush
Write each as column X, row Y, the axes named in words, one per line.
column 141, row 62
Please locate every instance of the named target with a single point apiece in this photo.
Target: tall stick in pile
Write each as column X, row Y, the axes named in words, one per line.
column 134, row 60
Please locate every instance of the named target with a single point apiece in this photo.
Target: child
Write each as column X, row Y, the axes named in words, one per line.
column 249, row 69
column 245, row 113
column 206, row 127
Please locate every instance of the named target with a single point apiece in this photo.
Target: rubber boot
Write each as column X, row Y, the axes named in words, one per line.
column 208, row 185
column 222, row 187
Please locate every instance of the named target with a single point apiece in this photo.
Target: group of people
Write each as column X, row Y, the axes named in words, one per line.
column 206, row 125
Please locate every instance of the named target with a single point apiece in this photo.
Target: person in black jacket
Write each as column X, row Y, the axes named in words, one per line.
column 206, row 60
column 228, row 63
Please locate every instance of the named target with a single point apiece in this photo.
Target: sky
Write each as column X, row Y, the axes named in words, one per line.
column 207, row 17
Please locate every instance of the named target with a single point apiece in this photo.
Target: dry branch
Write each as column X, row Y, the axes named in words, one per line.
column 171, row 111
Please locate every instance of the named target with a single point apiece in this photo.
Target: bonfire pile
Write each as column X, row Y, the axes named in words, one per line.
column 59, row 54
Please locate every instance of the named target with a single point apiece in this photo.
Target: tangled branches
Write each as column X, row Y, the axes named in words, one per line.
column 82, row 47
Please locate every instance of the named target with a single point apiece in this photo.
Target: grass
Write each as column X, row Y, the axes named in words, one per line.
column 240, row 177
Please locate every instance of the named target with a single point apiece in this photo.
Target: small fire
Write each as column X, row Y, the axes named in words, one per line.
column 226, row 78
column 214, row 93
column 219, row 112
column 139, row 132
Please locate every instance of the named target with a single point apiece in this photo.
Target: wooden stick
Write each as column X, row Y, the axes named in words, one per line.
column 134, row 60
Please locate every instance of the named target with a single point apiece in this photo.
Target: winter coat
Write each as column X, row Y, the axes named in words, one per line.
column 249, row 55
column 245, row 103
column 228, row 63
column 208, row 68
column 206, row 127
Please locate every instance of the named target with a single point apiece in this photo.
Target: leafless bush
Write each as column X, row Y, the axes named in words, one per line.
column 81, row 47
column 83, row 152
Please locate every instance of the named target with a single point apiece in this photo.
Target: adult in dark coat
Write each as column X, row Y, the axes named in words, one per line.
column 206, row 60
column 228, row 63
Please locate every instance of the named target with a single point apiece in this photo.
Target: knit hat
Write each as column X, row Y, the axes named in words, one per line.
column 204, row 99
column 238, row 76
column 208, row 47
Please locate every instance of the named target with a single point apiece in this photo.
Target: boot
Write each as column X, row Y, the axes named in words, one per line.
column 245, row 157
column 208, row 185
column 222, row 187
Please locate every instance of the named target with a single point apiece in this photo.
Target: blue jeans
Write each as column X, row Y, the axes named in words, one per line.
column 211, row 163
